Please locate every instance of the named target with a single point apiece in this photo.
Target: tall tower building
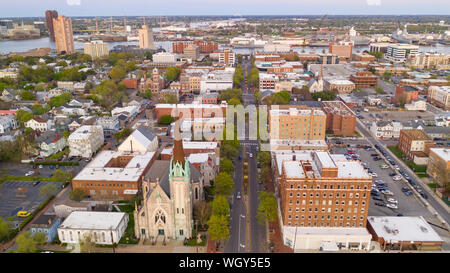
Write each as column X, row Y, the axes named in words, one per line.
column 63, row 35
column 49, row 16
column 146, row 38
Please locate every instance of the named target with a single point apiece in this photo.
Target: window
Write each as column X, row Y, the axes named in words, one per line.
column 181, row 232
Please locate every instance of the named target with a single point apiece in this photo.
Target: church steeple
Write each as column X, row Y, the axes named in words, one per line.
column 178, row 151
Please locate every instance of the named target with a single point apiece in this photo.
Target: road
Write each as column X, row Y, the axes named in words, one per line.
column 436, row 205
column 236, row 243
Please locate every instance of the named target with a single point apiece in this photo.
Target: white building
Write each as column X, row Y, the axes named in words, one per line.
column 96, row 49
column 216, row 81
column 8, row 123
column 277, row 48
column 399, row 53
column 440, row 96
column 86, row 140
column 103, row 228
column 418, row 105
column 66, row 85
column 141, row 141
column 110, row 125
column 164, row 57
column 387, row 129
column 38, row 123
column 128, row 111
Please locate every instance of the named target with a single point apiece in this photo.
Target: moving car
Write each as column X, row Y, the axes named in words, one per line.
column 238, row 195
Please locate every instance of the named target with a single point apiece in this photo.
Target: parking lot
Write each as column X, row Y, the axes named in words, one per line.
column 21, row 195
column 407, row 205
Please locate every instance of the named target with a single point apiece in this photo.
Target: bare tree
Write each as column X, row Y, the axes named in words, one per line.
column 202, row 211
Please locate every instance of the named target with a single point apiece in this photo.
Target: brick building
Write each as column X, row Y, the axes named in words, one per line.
column 414, row 143
column 364, row 80
column 114, row 175
column 204, row 46
column 344, row 49
column 340, row 119
column 195, row 110
column 319, row 189
column 405, row 94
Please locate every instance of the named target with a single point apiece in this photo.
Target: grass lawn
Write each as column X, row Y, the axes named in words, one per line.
column 396, row 151
column 129, row 232
column 58, row 155
column 422, row 175
column 432, row 185
column 193, row 241
column 27, row 178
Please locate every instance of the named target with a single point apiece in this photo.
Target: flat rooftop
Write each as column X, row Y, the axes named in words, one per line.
column 95, row 220
column 443, row 153
column 404, row 228
column 96, row 170
column 415, row 134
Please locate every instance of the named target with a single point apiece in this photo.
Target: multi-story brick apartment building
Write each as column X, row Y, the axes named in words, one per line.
column 364, row 80
column 343, row 49
column 415, row 144
column 319, row 189
column 340, row 119
column 296, row 123
column 204, row 46
column 115, row 175
column 439, row 165
column 340, row 86
column 405, row 94
column 363, row 57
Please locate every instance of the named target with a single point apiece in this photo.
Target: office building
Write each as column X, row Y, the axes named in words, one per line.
column 146, row 38
column 343, row 49
column 49, row 16
column 63, row 35
column 227, row 57
column 192, row 51
column 398, row 53
column 164, row 57
column 96, row 49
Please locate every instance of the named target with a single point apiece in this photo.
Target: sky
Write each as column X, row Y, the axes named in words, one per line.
column 36, row 8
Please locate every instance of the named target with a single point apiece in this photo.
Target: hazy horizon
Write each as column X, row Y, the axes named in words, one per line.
column 85, row 8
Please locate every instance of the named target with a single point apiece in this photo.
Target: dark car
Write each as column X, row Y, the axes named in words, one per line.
column 405, row 189
column 408, row 193
column 424, row 195
column 392, row 174
column 374, row 154
column 35, row 183
column 399, row 215
column 380, row 204
column 412, row 183
column 377, row 198
column 34, row 166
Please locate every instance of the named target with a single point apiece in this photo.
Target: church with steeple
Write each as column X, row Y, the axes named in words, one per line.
column 169, row 190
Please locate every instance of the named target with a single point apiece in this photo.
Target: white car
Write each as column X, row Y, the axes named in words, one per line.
column 397, row 167
column 392, row 200
column 384, row 166
column 397, row 178
column 250, row 155
column 374, row 175
column 29, row 173
column 387, row 192
column 391, row 206
column 40, row 166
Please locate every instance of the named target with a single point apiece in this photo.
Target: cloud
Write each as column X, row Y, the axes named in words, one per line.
column 73, row 2
column 373, row 2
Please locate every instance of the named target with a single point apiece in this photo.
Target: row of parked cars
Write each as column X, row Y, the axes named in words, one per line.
column 380, row 187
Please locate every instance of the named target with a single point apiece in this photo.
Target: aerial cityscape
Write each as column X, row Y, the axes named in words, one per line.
column 140, row 131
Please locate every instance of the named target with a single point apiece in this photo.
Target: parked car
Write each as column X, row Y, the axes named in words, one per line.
column 238, row 195
column 424, row 195
column 380, row 204
column 40, row 166
column 23, row 214
column 29, row 173
column 387, row 192
column 392, row 206
column 35, row 183
column 408, row 193
column 392, row 200
column 377, row 198
column 392, row 174
column 412, row 183
column 405, row 189
column 384, row 166
column 397, row 178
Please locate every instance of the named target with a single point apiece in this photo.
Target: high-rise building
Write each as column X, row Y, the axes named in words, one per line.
column 96, row 49
column 63, row 35
column 146, row 38
column 49, row 16
column 343, row 49
column 400, row 52
column 227, row 57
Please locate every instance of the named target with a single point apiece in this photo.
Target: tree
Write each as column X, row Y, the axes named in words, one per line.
column 379, row 90
column 38, row 109
column 166, row 119
column 377, row 54
column 324, row 95
column 23, row 116
column 87, row 245
column 202, row 212
column 169, row 98
column 62, row 176
column 220, row 206
column 25, row 243
column 108, row 93
column 228, row 94
column 264, row 158
column 117, row 73
column 60, row 100
column 77, row 195
column 234, row 101
column 48, row 190
column 66, row 134
column 218, row 227
column 226, row 165
column 257, row 96
column 4, row 230
column 130, row 66
column 147, row 94
column 123, row 134
column 172, row 73
column 267, row 209
column 27, row 95
column 228, row 150
column 39, row 238
column 223, row 184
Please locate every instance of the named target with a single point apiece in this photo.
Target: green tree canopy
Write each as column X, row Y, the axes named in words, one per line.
column 218, row 227
column 267, row 209
column 27, row 95
column 25, row 243
column 172, row 73
column 223, row 184
column 226, row 165
column 77, row 195
column 48, row 190
column 23, row 116
column 220, row 206
column 324, row 95
column 166, row 119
